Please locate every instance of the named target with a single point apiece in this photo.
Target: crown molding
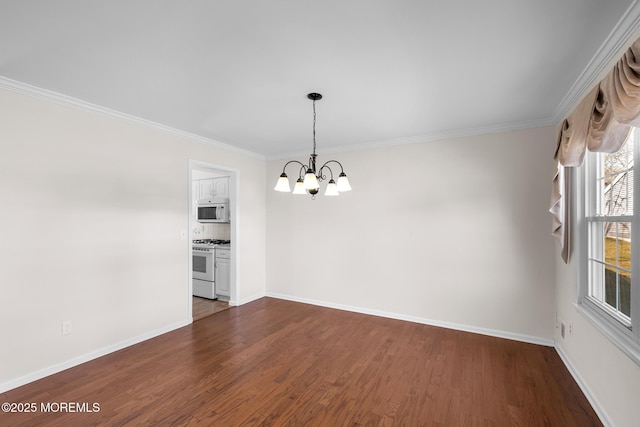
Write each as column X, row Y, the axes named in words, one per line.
column 606, row 54
column 67, row 101
column 438, row 136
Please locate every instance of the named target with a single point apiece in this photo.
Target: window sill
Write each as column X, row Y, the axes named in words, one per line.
column 614, row 333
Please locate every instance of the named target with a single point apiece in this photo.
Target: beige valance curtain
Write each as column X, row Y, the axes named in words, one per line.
column 601, row 122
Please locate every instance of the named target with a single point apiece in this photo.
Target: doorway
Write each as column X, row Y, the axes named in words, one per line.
column 210, row 181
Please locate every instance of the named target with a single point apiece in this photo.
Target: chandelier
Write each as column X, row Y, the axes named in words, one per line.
column 309, row 177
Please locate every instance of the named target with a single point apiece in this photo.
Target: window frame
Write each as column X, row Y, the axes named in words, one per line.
column 625, row 335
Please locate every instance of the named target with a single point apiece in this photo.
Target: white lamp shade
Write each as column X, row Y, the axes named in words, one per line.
column 310, row 181
column 332, row 189
column 299, row 187
column 343, row 182
column 283, row 184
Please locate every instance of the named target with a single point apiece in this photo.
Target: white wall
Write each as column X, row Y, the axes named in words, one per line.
column 451, row 232
column 610, row 378
column 92, row 210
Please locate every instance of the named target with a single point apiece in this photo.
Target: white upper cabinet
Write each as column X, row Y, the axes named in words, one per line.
column 221, row 188
column 206, row 188
column 215, row 188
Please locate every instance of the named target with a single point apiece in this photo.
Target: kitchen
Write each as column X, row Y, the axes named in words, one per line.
column 211, row 242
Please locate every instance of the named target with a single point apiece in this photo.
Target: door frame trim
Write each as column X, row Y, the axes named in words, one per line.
column 234, row 208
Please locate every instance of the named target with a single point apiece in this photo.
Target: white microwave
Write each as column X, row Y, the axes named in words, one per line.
column 213, row 210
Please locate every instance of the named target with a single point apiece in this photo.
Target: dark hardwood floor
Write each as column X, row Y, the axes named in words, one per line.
column 274, row 362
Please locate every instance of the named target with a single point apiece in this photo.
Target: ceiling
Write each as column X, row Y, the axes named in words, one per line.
column 390, row 71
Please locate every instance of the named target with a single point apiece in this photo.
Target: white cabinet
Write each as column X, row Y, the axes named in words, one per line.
column 206, row 188
column 221, row 188
column 214, row 188
column 223, row 269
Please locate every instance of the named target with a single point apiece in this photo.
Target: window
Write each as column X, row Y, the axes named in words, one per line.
column 609, row 286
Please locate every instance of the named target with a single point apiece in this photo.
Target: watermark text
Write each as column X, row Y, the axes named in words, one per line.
column 63, row 407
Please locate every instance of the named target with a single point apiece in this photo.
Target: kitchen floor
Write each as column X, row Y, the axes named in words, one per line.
column 203, row 307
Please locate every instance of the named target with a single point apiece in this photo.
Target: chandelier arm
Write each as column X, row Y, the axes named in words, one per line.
column 326, row 164
column 333, row 161
column 303, row 170
column 293, row 161
column 322, row 177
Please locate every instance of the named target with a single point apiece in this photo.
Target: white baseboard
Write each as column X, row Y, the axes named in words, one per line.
column 414, row 319
column 602, row 414
column 247, row 300
column 45, row 372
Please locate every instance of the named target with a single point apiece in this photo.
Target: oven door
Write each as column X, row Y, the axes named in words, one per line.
column 203, row 265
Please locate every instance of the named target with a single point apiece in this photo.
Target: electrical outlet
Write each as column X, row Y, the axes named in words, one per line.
column 66, row 327
column 571, row 329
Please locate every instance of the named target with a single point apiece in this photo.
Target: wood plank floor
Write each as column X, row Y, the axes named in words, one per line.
column 203, row 307
column 274, row 362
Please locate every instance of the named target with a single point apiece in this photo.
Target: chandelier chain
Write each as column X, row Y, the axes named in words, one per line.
column 314, row 126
